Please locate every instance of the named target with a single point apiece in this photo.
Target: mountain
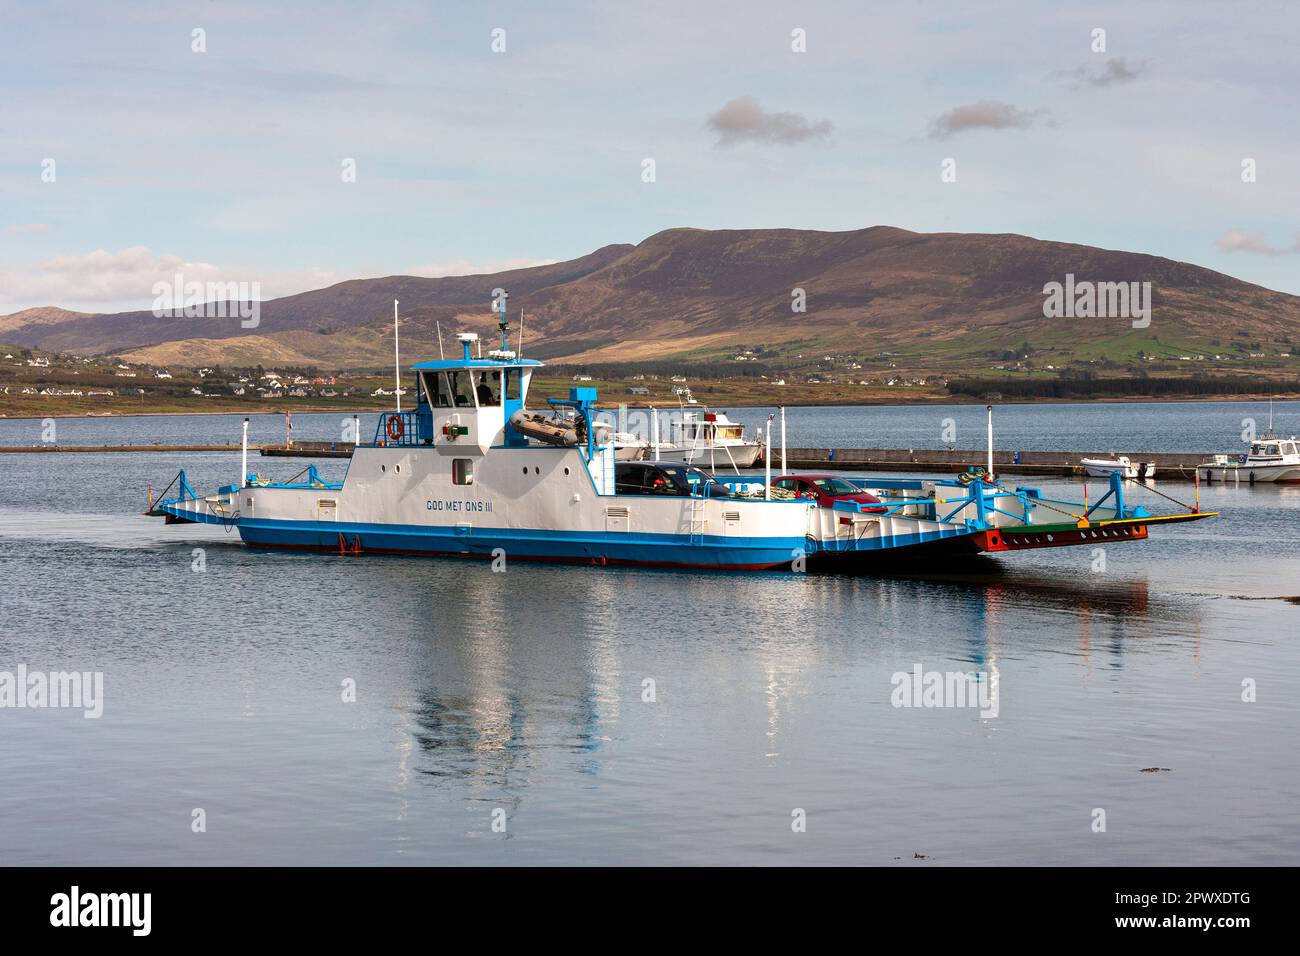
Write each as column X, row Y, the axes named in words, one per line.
column 34, row 318
column 346, row 304
column 950, row 299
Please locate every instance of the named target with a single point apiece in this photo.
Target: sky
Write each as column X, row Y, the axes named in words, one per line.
column 495, row 135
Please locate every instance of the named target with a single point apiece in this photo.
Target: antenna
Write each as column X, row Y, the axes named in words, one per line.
column 441, row 354
column 521, row 333
column 505, row 344
column 397, row 362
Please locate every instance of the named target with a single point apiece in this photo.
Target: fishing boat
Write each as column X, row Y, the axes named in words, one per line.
column 1270, row 458
column 710, row 440
column 472, row 471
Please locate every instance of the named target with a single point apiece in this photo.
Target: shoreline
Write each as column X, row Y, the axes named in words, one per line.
column 669, row 406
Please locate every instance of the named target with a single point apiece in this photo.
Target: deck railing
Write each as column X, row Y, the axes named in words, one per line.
column 397, row 428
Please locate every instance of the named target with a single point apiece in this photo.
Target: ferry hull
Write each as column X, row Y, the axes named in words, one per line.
column 627, row 550
column 651, row 550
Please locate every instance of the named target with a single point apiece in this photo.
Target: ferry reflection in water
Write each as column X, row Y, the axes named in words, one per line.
column 504, row 677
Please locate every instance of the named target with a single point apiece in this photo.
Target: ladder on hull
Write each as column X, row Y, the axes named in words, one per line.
column 698, row 520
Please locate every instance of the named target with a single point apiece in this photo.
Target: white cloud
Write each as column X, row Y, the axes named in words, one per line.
column 28, row 229
column 986, row 114
column 123, row 281
column 1118, row 70
column 465, row 267
column 1235, row 240
column 744, row 120
column 102, row 281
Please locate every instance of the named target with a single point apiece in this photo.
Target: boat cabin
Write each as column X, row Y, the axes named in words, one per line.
column 466, row 401
column 1272, row 448
column 695, row 427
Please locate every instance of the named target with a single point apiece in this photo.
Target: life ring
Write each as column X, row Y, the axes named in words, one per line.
column 394, row 427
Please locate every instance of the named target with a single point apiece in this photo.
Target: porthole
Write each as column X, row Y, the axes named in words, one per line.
column 1050, row 538
column 525, row 469
column 566, row 471
column 383, row 467
column 397, row 468
column 536, row 470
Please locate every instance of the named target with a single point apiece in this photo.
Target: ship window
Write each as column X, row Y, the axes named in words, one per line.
column 440, row 391
column 462, row 471
column 489, row 389
column 512, row 385
column 462, row 388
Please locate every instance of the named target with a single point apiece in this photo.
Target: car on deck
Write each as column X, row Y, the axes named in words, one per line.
column 666, row 478
column 828, row 489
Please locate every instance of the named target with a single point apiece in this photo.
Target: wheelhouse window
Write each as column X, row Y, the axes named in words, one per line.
column 489, row 388
column 438, row 389
column 513, row 379
column 462, row 471
column 462, row 388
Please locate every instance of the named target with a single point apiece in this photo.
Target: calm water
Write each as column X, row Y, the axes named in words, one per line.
column 523, row 691
column 1136, row 426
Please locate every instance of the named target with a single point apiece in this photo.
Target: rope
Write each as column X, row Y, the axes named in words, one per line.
column 299, row 475
column 1181, row 504
column 163, row 493
column 1040, row 503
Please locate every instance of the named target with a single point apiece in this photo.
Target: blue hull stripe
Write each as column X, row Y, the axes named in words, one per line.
column 621, row 547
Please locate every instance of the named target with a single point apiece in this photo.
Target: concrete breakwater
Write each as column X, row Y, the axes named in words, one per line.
column 1169, row 465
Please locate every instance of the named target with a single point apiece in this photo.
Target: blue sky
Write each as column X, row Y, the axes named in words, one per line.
column 226, row 164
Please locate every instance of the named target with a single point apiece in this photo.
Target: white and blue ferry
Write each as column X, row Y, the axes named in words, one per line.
column 470, row 471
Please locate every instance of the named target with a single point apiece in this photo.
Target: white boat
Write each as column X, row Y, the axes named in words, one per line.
column 1117, row 464
column 709, row 440
column 1270, row 459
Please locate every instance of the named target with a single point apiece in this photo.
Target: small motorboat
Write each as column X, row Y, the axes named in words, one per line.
column 1117, row 464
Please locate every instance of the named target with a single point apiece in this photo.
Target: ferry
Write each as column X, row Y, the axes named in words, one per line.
column 471, row 471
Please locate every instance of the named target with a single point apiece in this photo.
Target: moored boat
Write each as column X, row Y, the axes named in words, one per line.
column 711, row 440
column 1270, row 459
column 1117, row 464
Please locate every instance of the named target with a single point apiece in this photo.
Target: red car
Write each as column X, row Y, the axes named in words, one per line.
column 827, row 489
